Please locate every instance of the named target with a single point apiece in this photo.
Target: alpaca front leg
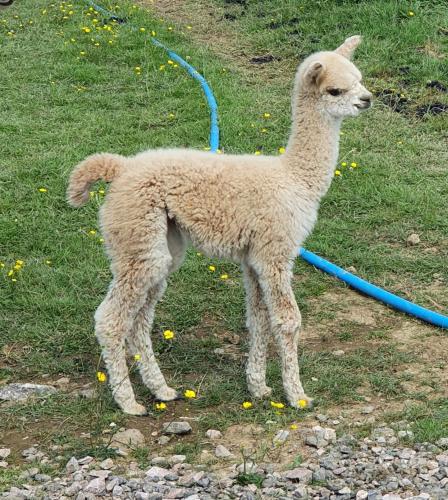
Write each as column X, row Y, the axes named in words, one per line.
column 285, row 322
column 259, row 328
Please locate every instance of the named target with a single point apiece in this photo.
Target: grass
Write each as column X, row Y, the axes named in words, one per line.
column 59, row 105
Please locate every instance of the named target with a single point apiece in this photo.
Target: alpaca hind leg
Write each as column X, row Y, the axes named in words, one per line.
column 275, row 281
column 259, row 329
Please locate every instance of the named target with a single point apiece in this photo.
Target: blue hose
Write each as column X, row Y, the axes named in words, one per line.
column 355, row 282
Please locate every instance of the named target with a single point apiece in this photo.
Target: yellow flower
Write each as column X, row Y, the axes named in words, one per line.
column 161, row 406
column 142, row 30
column 246, row 405
column 257, row 153
column 198, row 254
column 266, row 115
column 11, row 272
column 86, row 29
column 170, row 28
column 43, row 190
column 212, row 268
column 137, row 68
column 153, row 33
column 353, row 164
column 17, row 267
column 101, row 376
column 162, row 67
column 2, row 264
column 82, row 53
column 277, row 405
column 189, row 394
column 48, row 262
column 224, row 276
column 344, row 164
column 281, row 150
column 410, row 13
column 188, row 27
column 101, row 191
column 337, row 172
column 293, row 427
column 170, row 61
column 171, row 115
column 303, row 403
column 92, row 232
column 137, row 357
column 101, row 240
column 168, row 335
column 20, row 262
column 264, row 130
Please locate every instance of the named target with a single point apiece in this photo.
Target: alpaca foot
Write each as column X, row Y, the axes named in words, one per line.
column 260, row 392
column 302, row 402
column 134, row 409
column 166, row 394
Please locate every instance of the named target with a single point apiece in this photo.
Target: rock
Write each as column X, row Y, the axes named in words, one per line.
column 5, row 452
column 42, row 478
column 338, row 353
column 62, row 381
column 85, row 460
column 367, row 409
column 96, row 486
column 22, row 392
column 299, row 474
column 128, row 439
column 103, row 474
column 156, row 473
column 177, row 428
column 443, row 442
column 87, row 393
column 160, row 461
column 280, row 437
column 222, row 452
column 72, row 465
column 213, row 434
column 163, row 440
column 176, row 459
column 3, row 464
column 362, row 495
column 247, row 468
column 319, row 437
column 117, row 491
column 107, row 464
column 413, row 239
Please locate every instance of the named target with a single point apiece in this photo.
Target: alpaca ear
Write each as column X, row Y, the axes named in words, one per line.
column 312, row 73
column 349, row 46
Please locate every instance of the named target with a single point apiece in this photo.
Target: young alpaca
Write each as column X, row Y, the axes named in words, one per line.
column 252, row 209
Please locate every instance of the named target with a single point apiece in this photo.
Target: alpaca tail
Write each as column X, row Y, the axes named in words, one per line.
column 104, row 166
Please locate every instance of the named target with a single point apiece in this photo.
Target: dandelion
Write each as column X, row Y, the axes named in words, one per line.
column 137, row 357
column 224, row 276
column 170, row 28
column 170, row 61
column 48, row 262
column 2, row 264
column 303, row 403
column 168, row 335
column 10, row 273
column 198, row 254
column 277, row 405
column 160, row 406
column 189, row 27
column 344, row 164
column 257, row 153
column 212, row 268
column 142, row 30
column 293, row 427
column 82, row 53
column 171, row 116
column 247, row 405
column 43, row 190
column 175, row 65
column 337, row 172
column 266, row 115
column 101, row 240
column 101, row 191
column 410, row 13
column 353, row 164
column 17, row 267
column 189, row 394
column 101, row 376
column 264, row 130
column 281, row 150
column 153, row 33
column 162, row 67
column 92, row 232
column 86, row 29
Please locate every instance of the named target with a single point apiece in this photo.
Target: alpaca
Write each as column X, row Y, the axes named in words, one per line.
column 254, row 210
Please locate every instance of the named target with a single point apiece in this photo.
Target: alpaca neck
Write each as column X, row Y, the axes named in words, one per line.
column 313, row 146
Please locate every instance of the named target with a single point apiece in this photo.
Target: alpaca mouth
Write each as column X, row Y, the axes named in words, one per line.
column 363, row 106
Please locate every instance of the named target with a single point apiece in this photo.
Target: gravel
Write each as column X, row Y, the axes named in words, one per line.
column 344, row 468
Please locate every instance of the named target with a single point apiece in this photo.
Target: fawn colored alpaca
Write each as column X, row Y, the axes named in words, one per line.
column 254, row 210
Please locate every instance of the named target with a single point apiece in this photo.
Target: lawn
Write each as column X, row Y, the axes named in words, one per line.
column 75, row 84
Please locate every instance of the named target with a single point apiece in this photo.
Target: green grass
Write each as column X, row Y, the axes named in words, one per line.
column 58, row 106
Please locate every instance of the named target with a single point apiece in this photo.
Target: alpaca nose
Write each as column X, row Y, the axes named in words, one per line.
column 366, row 99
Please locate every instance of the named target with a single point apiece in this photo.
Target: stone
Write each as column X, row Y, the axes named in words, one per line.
column 161, row 461
column 5, row 452
column 281, row 437
column 96, row 486
column 117, row 491
column 362, row 495
column 213, row 434
column 163, row 440
column 72, row 465
column 128, row 439
column 3, row 464
column 299, row 474
column 319, row 437
column 176, row 459
column 103, row 474
column 367, row 409
column 107, row 464
column 443, row 442
column 156, row 473
column 62, row 381
column 177, row 428
column 22, row 392
column 413, row 239
column 222, row 452
column 338, row 353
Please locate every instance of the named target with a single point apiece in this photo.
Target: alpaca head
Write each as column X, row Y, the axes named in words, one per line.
column 334, row 81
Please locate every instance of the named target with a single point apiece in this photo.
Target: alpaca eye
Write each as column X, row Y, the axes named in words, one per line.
column 334, row 92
